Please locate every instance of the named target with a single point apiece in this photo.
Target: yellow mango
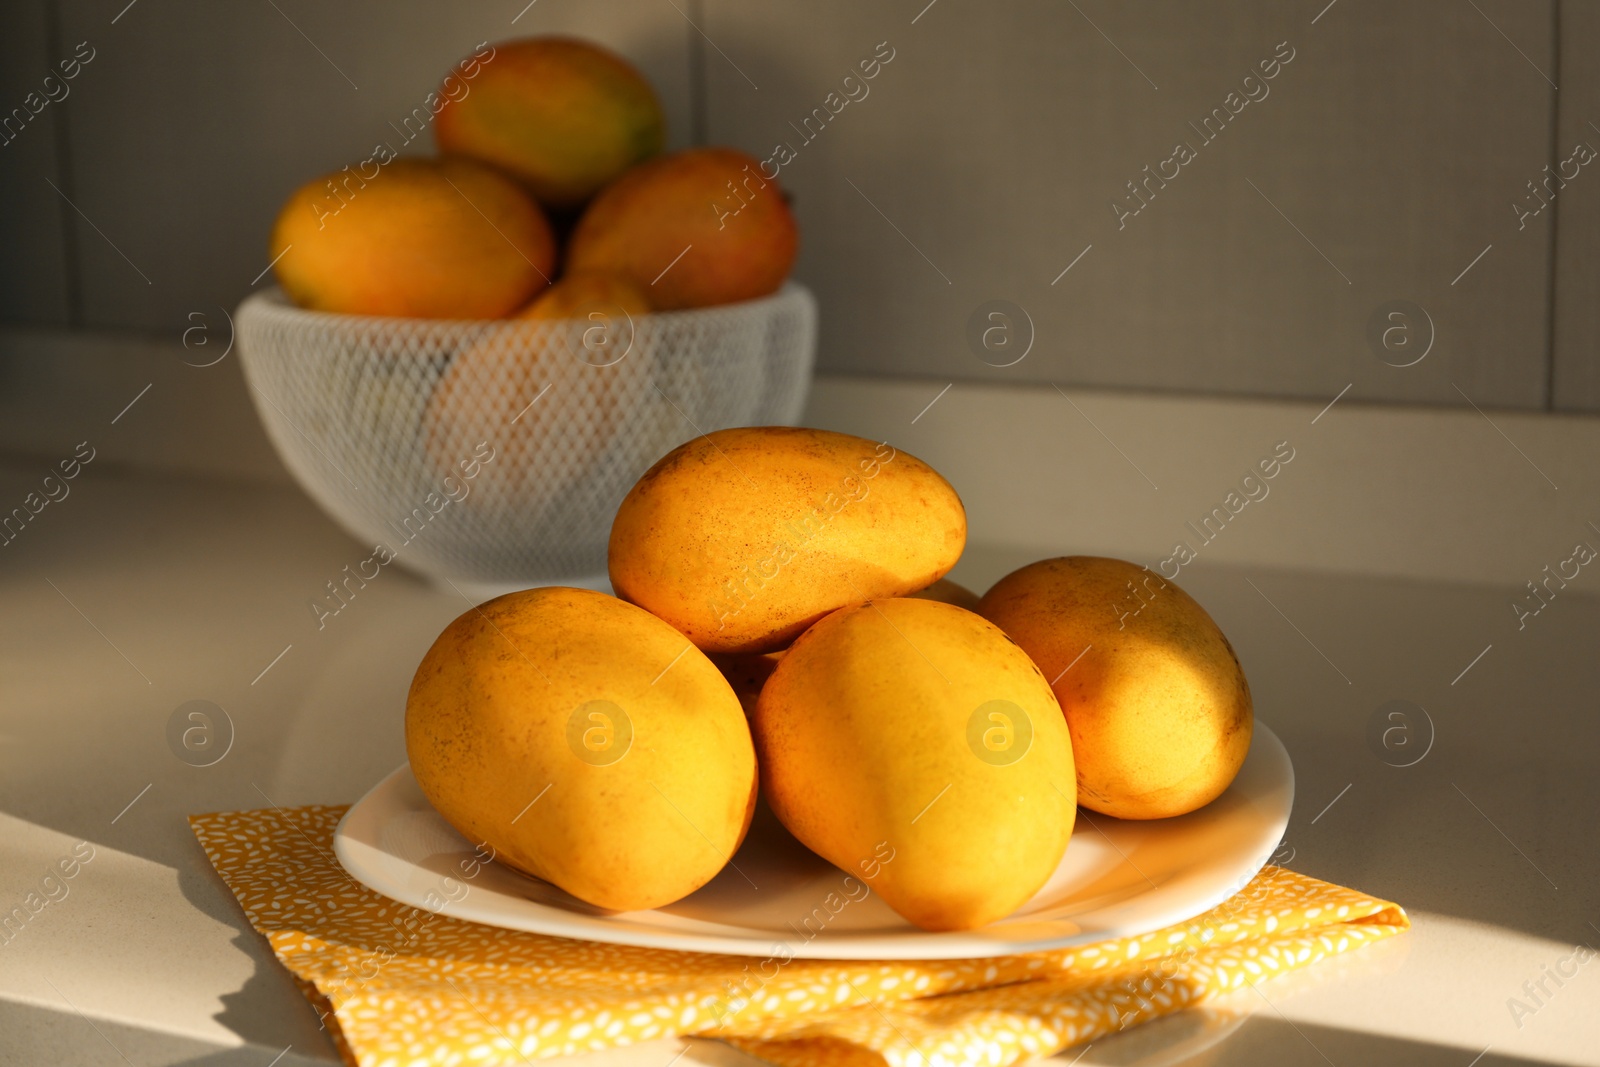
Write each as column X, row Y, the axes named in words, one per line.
column 911, row 744
column 1157, row 703
column 743, row 538
column 586, row 742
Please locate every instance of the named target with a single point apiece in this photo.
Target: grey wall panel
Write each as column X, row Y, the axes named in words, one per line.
column 203, row 117
column 172, row 411
column 33, row 256
column 1575, row 380
column 986, row 155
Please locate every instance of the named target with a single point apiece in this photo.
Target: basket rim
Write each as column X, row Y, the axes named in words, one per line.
column 274, row 301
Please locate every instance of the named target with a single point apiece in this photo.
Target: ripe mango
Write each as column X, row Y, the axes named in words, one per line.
column 423, row 238
column 548, row 398
column 564, row 116
column 694, row 228
column 742, row 538
column 1158, row 705
column 587, row 743
column 595, row 297
column 917, row 730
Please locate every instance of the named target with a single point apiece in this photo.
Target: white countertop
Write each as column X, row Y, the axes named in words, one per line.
column 171, row 589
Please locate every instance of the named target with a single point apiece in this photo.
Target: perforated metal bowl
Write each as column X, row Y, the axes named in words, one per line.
column 496, row 452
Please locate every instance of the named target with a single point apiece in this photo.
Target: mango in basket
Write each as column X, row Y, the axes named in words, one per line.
column 742, row 538
column 434, row 239
column 548, row 397
column 605, row 300
column 911, row 744
column 564, row 116
column 586, row 743
column 1157, row 703
column 699, row 227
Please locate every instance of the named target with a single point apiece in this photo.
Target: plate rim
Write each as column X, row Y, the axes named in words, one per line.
column 918, row 944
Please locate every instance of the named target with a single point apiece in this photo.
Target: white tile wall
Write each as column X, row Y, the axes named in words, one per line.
column 1575, row 378
column 977, row 165
column 1376, row 165
column 34, row 274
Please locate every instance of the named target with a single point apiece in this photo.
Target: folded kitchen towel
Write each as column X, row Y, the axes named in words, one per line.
column 399, row 985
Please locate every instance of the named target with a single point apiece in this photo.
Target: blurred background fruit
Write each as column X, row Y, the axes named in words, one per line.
column 547, row 390
column 562, row 115
column 580, row 295
column 581, row 383
column 434, row 239
column 496, row 388
column 695, row 228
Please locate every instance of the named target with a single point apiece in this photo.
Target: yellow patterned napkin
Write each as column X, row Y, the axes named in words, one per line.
column 412, row 986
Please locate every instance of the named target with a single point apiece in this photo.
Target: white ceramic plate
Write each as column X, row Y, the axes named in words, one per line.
column 1118, row 879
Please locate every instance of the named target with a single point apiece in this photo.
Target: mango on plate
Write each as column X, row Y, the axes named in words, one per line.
column 1158, row 705
column 587, row 743
column 912, row 741
column 742, row 538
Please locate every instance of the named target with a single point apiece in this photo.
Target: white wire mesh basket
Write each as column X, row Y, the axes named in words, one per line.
column 496, row 451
